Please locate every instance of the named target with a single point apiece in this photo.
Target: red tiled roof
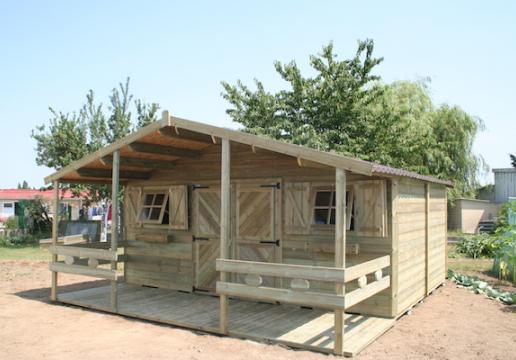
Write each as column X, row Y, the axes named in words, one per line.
column 28, row 194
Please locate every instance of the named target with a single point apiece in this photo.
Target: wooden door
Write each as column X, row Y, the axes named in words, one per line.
column 206, row 206
column 257, row 223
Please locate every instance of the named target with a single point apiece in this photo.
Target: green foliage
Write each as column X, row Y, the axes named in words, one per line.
column 345, row 108
column 11, row 223
column 513, row 160
column 68, row 137
column 23, row 185
column 505, row 258
column 20, row 240
column 481, row 287
column 146, row 113
column 481, row 245
column 502, row 220
column 38, row 220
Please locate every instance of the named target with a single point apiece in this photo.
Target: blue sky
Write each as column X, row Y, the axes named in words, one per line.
column 176, row 54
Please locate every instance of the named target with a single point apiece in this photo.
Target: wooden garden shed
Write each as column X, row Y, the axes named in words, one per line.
column 240, row 235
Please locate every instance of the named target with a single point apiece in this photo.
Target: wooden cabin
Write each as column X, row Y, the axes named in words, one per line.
column 235, row 234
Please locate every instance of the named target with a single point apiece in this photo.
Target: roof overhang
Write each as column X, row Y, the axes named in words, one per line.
column 158, row 144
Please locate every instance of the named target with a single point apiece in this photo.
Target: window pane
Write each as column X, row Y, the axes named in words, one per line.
column 155, row 213
column 158, row 200
column 320, row 216
column 148, row 199
column 144, row 214
column 332, row 217
column 322, row 198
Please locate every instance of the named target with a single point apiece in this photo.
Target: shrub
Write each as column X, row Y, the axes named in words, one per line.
column 505, row 259
column 19, row 240
column 502, row 220
column 11, row 223
column 481, row 245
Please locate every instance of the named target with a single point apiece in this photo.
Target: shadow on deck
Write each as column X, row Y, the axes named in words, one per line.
column 287, row 324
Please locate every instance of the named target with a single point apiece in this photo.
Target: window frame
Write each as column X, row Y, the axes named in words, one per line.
column 162, row 206
column 330, row 207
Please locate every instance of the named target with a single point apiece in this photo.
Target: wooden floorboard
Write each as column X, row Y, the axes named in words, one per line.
column 291, row 325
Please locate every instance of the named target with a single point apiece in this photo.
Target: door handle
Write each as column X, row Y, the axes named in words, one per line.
column 270, row 242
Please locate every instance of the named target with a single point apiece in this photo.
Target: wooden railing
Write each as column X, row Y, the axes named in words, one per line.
column 85, row 260
column 298, row 291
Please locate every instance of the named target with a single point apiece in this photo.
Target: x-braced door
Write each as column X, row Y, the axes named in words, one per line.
column 257, row 223
column 206, row 206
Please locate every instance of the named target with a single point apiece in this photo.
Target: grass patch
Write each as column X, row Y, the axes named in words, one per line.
column 24, row 253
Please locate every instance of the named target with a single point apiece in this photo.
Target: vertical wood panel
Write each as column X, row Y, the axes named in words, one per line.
column 340, row 252
column 114, row 224
column 225, row 224
column 55, row 225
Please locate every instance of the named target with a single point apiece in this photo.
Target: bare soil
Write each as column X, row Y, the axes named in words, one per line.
column 452, row 323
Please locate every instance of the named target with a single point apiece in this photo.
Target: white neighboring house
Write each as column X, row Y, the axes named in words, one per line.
column 10, row 199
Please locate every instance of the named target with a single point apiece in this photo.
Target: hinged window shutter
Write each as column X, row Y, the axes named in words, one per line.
column 297, row 208
column 132, row 206
column 370, row 208
column 178, row 207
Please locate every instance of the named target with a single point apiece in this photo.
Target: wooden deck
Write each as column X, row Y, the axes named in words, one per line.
column 291, row 325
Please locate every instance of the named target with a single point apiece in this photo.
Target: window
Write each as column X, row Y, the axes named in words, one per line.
column 324, row 208
column 8, row 205
column 154, row 208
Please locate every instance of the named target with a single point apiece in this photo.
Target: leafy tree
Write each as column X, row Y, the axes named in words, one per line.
column 119, row 123
column 68, row 137
column 23, row 185
column 344, row 107
column 513, row 160
column 146, row 113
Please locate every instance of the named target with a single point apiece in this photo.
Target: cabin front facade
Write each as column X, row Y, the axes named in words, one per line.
column 239, row 235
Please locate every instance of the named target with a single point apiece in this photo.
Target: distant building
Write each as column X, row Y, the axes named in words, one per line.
column 505, row 184
column 11, row 200
column 468, row 215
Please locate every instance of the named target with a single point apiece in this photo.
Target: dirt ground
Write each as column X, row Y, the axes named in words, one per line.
column 452, row 323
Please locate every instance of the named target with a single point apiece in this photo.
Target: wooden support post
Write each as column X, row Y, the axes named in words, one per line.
column 55, row 228
column 340, row 252
column 225, row 225
column 114, row 225
column 427, row 238
column 394, row 246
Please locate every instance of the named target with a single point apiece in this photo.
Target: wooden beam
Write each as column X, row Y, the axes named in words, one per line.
column 83, row 252
column 427, row 238
column 306, row 298
column 176, row 133
column 316, row 273
column 114, row 225
column 340, row 253
column 367, row 291
column 136, row 162
column 148, row 148
column 368, row 267
column 225, row 225
column 83, row 270
column 147, row 130
column 106, row 173
column 394, row 246
column 55, row 227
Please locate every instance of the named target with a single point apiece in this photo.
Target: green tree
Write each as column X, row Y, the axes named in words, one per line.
column 513, row 160
column 23, row 185
column 68, row 137
column 344, row 107
column 145, row 113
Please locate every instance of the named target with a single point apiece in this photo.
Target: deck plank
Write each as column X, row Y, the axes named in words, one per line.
column 294, row 326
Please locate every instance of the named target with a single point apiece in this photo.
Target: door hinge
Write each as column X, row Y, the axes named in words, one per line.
column 198, row 238
column 276, row 186
column 270, row 242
